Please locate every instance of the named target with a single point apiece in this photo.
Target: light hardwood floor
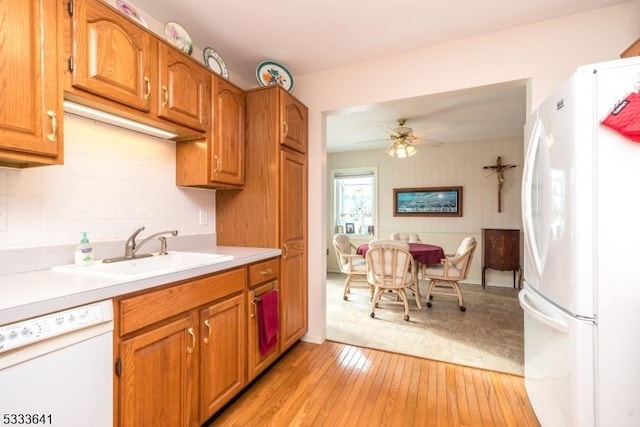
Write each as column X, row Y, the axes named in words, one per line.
column 342, row 385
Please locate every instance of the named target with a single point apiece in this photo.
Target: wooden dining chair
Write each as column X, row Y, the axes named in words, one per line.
column 451, row 270
column 390, row 268
column 351, row 264
column 406, row 237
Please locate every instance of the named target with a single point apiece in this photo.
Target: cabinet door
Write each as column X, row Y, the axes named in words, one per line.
column 30, row 94
column 294, row 122
column 227, row 133
column 183, row 92
column 257, row 361
column 157, row 383
column 112, row 56
column 293, row 237
column 223, row 354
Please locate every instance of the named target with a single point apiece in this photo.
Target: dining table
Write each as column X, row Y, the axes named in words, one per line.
column 423, row 254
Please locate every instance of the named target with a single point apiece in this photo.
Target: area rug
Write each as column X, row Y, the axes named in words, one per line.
column 489, row 335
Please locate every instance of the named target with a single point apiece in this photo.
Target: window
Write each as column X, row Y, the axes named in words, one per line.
column 355, row 201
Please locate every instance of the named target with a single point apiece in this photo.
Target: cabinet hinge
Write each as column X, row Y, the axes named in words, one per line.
column 70, row 7
column 118, row 367
column 70, row 63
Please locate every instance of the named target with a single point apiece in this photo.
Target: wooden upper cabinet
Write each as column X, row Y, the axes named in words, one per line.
column 294, row 122
column 30, row 95
column 227, row 133
column 183, row 92
column 220, row 161
column 111, row 56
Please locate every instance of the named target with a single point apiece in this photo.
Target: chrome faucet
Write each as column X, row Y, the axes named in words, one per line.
column 131, row 247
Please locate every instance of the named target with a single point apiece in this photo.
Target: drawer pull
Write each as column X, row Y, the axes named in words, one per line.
column 147, row 95
column 208, row 337
column 266, row 272
column 193, row 340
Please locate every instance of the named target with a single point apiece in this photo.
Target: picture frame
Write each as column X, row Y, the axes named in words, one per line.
column 349, row 227
column 427, row 201
column 370, row 230
column 339, row 229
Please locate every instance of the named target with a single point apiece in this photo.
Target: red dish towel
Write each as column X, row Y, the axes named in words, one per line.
column 268, row 321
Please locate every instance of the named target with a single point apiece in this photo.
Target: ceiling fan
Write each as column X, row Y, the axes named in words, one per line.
column 403, row 139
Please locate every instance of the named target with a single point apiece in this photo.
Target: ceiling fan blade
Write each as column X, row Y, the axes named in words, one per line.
column 427, row 142
column 371, row 141
column 433, row 129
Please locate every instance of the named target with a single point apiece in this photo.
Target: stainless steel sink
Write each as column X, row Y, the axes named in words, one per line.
column 140, row 268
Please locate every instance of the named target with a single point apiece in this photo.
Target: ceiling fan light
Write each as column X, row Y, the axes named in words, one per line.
column 410, row 150
column 391, row 151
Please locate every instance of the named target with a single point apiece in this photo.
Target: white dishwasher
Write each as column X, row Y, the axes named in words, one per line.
column 57, row 369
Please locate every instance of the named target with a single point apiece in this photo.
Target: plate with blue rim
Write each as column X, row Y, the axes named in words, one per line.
column 271, row 73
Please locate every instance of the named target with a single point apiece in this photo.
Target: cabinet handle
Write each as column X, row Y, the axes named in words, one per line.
column 285, row 129
column 147, row 95
column 193, row 340
column 265, row 272
column 286, row 250
column 216, row 160
column 53, row 136
column 165, row 102
column 208, row 337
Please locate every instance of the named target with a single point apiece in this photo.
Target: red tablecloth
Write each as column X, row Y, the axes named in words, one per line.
column 423, row 253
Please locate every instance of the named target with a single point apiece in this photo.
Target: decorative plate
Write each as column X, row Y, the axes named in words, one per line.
column 270, row 73
column 131, row 11
column 178, row 36
column 213, row 60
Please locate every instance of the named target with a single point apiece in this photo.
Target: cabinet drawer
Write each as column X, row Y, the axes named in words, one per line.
column 264, row 272
column 146, row 309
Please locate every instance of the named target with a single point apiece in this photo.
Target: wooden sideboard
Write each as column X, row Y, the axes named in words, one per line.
column 501, row 251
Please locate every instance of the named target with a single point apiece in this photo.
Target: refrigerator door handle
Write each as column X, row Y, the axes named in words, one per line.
column 531, row 238
column 530, row 307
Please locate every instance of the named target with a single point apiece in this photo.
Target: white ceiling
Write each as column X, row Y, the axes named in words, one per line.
column 308, row 36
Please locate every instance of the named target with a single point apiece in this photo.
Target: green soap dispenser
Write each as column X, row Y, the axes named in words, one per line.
column 84, row 251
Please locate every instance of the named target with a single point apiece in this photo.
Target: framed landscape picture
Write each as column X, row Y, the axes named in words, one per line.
column 428, row 201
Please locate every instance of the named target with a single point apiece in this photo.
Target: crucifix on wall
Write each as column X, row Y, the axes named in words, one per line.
column 498, row 169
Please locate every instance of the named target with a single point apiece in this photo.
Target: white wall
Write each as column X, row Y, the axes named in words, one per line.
column 458, row 164
column 545, row 52
column 112, row 182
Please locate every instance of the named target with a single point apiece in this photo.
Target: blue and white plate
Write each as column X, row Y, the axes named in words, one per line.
column 271, row 73
column 213, row 60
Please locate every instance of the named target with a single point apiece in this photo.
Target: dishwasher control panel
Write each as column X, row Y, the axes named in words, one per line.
column 20, row 334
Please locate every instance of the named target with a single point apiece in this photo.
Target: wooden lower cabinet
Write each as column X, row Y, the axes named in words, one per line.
column 183, row 351
column 223, row 351
column 158, row 376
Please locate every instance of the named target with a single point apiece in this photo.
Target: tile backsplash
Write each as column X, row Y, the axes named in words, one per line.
column 113, row 181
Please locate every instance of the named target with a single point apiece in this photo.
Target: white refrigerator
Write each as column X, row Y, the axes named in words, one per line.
column 581, row 220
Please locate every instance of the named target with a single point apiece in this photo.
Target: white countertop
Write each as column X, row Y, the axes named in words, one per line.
column 26, row 295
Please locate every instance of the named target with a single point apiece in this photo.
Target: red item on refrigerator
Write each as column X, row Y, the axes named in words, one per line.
column 625, row 117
